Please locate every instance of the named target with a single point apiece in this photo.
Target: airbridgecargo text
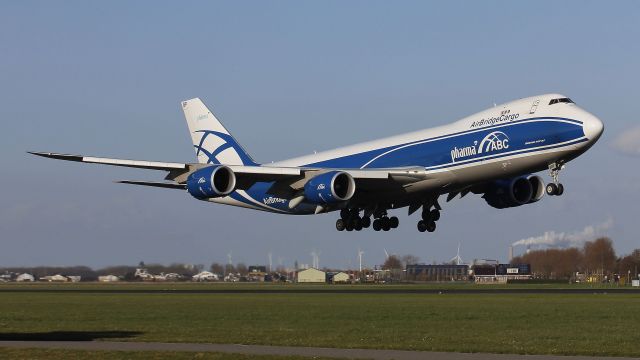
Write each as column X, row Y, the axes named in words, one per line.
column 495, row 120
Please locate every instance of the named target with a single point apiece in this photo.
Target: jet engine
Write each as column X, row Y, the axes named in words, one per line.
column 513, row 192
column 211, row 182
column 329, row 187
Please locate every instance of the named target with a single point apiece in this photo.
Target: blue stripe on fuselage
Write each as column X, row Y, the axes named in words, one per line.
column 523, row 136
column 436, row 152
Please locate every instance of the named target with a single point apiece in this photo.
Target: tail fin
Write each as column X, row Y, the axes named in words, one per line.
column 212, row 142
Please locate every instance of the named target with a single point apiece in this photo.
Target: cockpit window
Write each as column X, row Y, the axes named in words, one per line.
column 561, row 100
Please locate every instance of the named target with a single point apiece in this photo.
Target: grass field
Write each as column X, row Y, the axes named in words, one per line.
column 290, row 286
column 499, row 323
column 53, row 354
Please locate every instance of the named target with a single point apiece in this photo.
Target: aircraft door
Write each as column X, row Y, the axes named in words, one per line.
column 534, row 107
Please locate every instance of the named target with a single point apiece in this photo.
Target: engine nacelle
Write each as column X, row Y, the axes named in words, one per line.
column 211, row 182
column 513, row 192
column 537, row 188
column 330, row 187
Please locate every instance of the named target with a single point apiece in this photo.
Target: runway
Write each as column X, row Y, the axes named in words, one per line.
column 281, row 350
column 334, row 290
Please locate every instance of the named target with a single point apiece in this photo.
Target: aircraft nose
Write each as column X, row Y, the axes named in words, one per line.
column 593, row 127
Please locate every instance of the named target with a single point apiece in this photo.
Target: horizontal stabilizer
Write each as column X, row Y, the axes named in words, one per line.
column 166, row 185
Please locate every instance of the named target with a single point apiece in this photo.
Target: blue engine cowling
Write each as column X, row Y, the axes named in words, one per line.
column 210, row 182
column 330, row 187
column 506, row 193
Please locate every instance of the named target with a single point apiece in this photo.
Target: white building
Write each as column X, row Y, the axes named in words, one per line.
column 108, row 278
column 25, row 278
column 311, row 275
column 340, row 277
column 144, row 275
column 205, row 276
column 55, row 278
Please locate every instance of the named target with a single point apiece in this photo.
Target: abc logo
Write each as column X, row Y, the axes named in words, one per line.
column 495, row 141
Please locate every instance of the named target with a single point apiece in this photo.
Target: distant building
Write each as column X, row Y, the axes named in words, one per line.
column 55, row 278
column 257, row 273
column 446, row 272
column 172, row 277
column 311, row 275
column 144, row 275
column 338, row 278
column 205, row 276
column 74, row 278
column 500, row 273
column 108, row 278
column 25, row 278
column 257, row 268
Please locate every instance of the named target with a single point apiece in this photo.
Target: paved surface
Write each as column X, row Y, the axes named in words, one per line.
column 280, row 350
column 338, row 290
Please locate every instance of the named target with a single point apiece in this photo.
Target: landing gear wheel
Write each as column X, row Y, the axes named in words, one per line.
column 394, row 222
column 434, row 214
column 366, row 222
column 551, row 189
column 376, row 225
column 386, row 224
column 422, row 226
column 358, row 225
column 560, row 190
column 431, row 226
column 340, row 225
column 349, row 226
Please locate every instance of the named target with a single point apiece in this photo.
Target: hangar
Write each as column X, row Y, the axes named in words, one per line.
column 311, row 275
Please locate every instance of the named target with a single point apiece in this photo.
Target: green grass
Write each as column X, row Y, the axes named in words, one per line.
column 497, row 323
column 53, row 354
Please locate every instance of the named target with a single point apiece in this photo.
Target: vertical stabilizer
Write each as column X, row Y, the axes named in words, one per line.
column 212, row 142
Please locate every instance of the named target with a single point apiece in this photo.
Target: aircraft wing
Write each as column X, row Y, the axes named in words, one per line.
column 177, row 171
column 152, row 165
column 292, row 177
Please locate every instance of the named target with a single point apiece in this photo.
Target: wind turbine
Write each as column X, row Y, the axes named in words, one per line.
column 457, row 259
column 386, row 254
column 360, row 253
column 315, row 257
column 270, row 260
column 229, row 262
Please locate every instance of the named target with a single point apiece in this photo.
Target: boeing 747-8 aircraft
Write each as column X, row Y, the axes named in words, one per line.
column 492, row 153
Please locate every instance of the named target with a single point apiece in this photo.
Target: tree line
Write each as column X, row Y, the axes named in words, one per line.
column 595, row 258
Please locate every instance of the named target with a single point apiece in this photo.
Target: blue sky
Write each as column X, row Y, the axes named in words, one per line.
column 288, row 78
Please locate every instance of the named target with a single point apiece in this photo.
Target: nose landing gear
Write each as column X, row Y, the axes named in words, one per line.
column 555, row 188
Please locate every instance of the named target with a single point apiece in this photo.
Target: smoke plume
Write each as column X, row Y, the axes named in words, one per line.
column 564, row 239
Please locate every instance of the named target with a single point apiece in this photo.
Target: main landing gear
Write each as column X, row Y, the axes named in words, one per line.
column 351, row 220
column 555, row 188
column 429, row 218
